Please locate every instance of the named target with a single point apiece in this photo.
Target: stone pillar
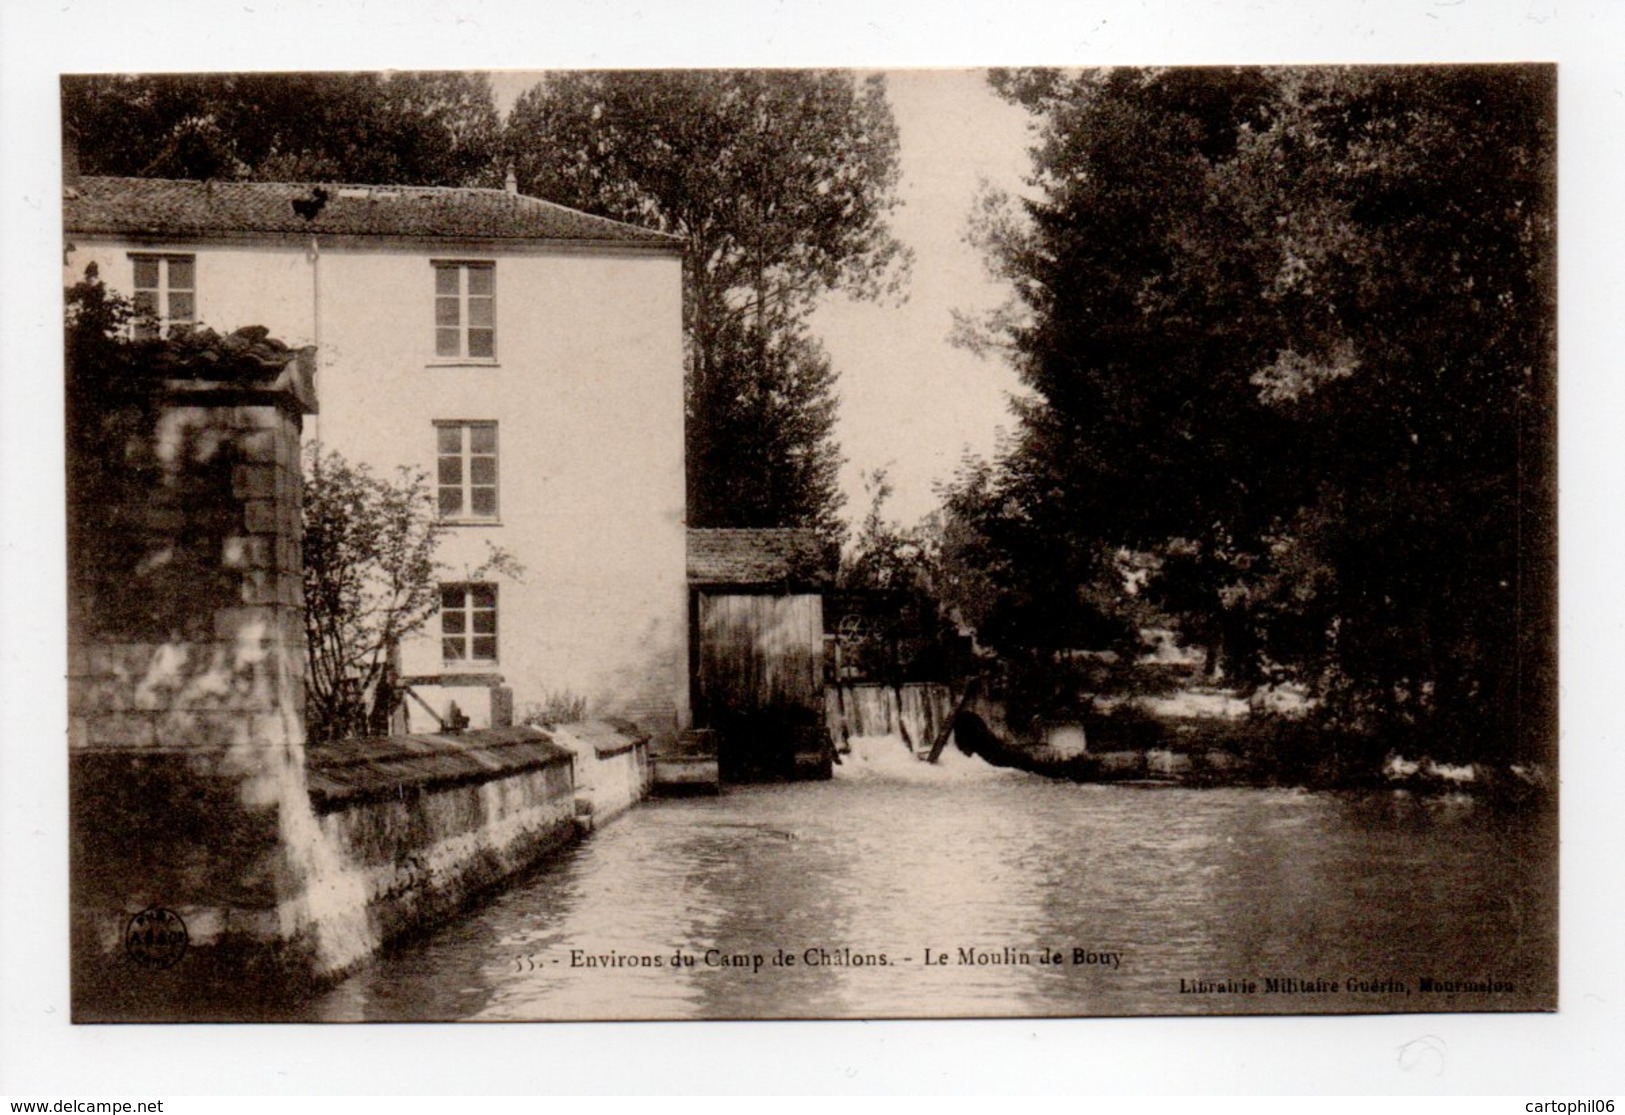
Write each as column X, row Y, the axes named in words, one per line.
column 501, row 706
column 188, row 798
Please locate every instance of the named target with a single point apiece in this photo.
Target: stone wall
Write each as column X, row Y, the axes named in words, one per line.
column 612, row 768
column 427, row 822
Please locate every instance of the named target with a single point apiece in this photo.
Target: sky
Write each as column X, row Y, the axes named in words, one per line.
column 910, row 402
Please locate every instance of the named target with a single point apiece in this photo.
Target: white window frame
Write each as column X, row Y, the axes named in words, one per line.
column 454, row 311
column 464, row 483
column 162, row 294
column 460, row 623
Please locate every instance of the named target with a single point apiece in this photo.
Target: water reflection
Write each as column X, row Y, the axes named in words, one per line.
column 1179, row 884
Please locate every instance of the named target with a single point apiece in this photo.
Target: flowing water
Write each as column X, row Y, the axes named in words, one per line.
column 904, row 890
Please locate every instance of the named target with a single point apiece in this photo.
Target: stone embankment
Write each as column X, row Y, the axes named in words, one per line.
column 422, row 824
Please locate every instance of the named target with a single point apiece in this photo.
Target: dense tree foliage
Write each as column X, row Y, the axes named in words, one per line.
column 1288, row 335
column 780, row 181
column 108, row 409
column 370, row 579
column 767, row 456
column 885, row 554
column 431, row 129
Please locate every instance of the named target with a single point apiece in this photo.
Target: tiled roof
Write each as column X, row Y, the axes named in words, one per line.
column 169, row 208
column 757, row 556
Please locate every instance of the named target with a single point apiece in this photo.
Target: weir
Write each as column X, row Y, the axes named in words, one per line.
column 914, row 711
column 885, row 733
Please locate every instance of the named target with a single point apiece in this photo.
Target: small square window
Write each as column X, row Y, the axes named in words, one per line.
column 165, row 294
column 466, row 470
column 465, row 311
column 468, row 623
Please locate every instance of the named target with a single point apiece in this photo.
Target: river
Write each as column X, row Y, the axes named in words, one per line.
column 901, row 890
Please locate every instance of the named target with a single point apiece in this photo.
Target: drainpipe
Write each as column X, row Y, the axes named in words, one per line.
column 314, row 254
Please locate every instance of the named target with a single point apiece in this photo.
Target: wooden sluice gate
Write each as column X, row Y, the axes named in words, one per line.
column 916, row 711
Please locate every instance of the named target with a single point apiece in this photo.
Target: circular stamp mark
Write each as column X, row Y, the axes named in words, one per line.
column 156, row 938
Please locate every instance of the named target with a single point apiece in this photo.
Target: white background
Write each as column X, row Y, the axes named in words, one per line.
column 1579, row 1050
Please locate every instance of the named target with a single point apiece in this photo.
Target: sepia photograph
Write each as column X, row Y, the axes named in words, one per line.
column 752, row 544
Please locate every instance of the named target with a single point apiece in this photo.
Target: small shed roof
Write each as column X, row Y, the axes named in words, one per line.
column 176, row 209
column 758, row 556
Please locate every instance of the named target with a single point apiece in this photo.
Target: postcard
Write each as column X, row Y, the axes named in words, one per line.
column 718, row 544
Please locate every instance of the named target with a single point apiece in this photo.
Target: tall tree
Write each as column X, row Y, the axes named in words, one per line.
column 780, row 181
column 1289, row 334
column 768, row 455
column 1132, row 432
column 408, row 128
column 1431, row 445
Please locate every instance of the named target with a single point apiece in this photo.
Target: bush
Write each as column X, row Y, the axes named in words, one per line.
column 560, row 707
column 371, row 580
